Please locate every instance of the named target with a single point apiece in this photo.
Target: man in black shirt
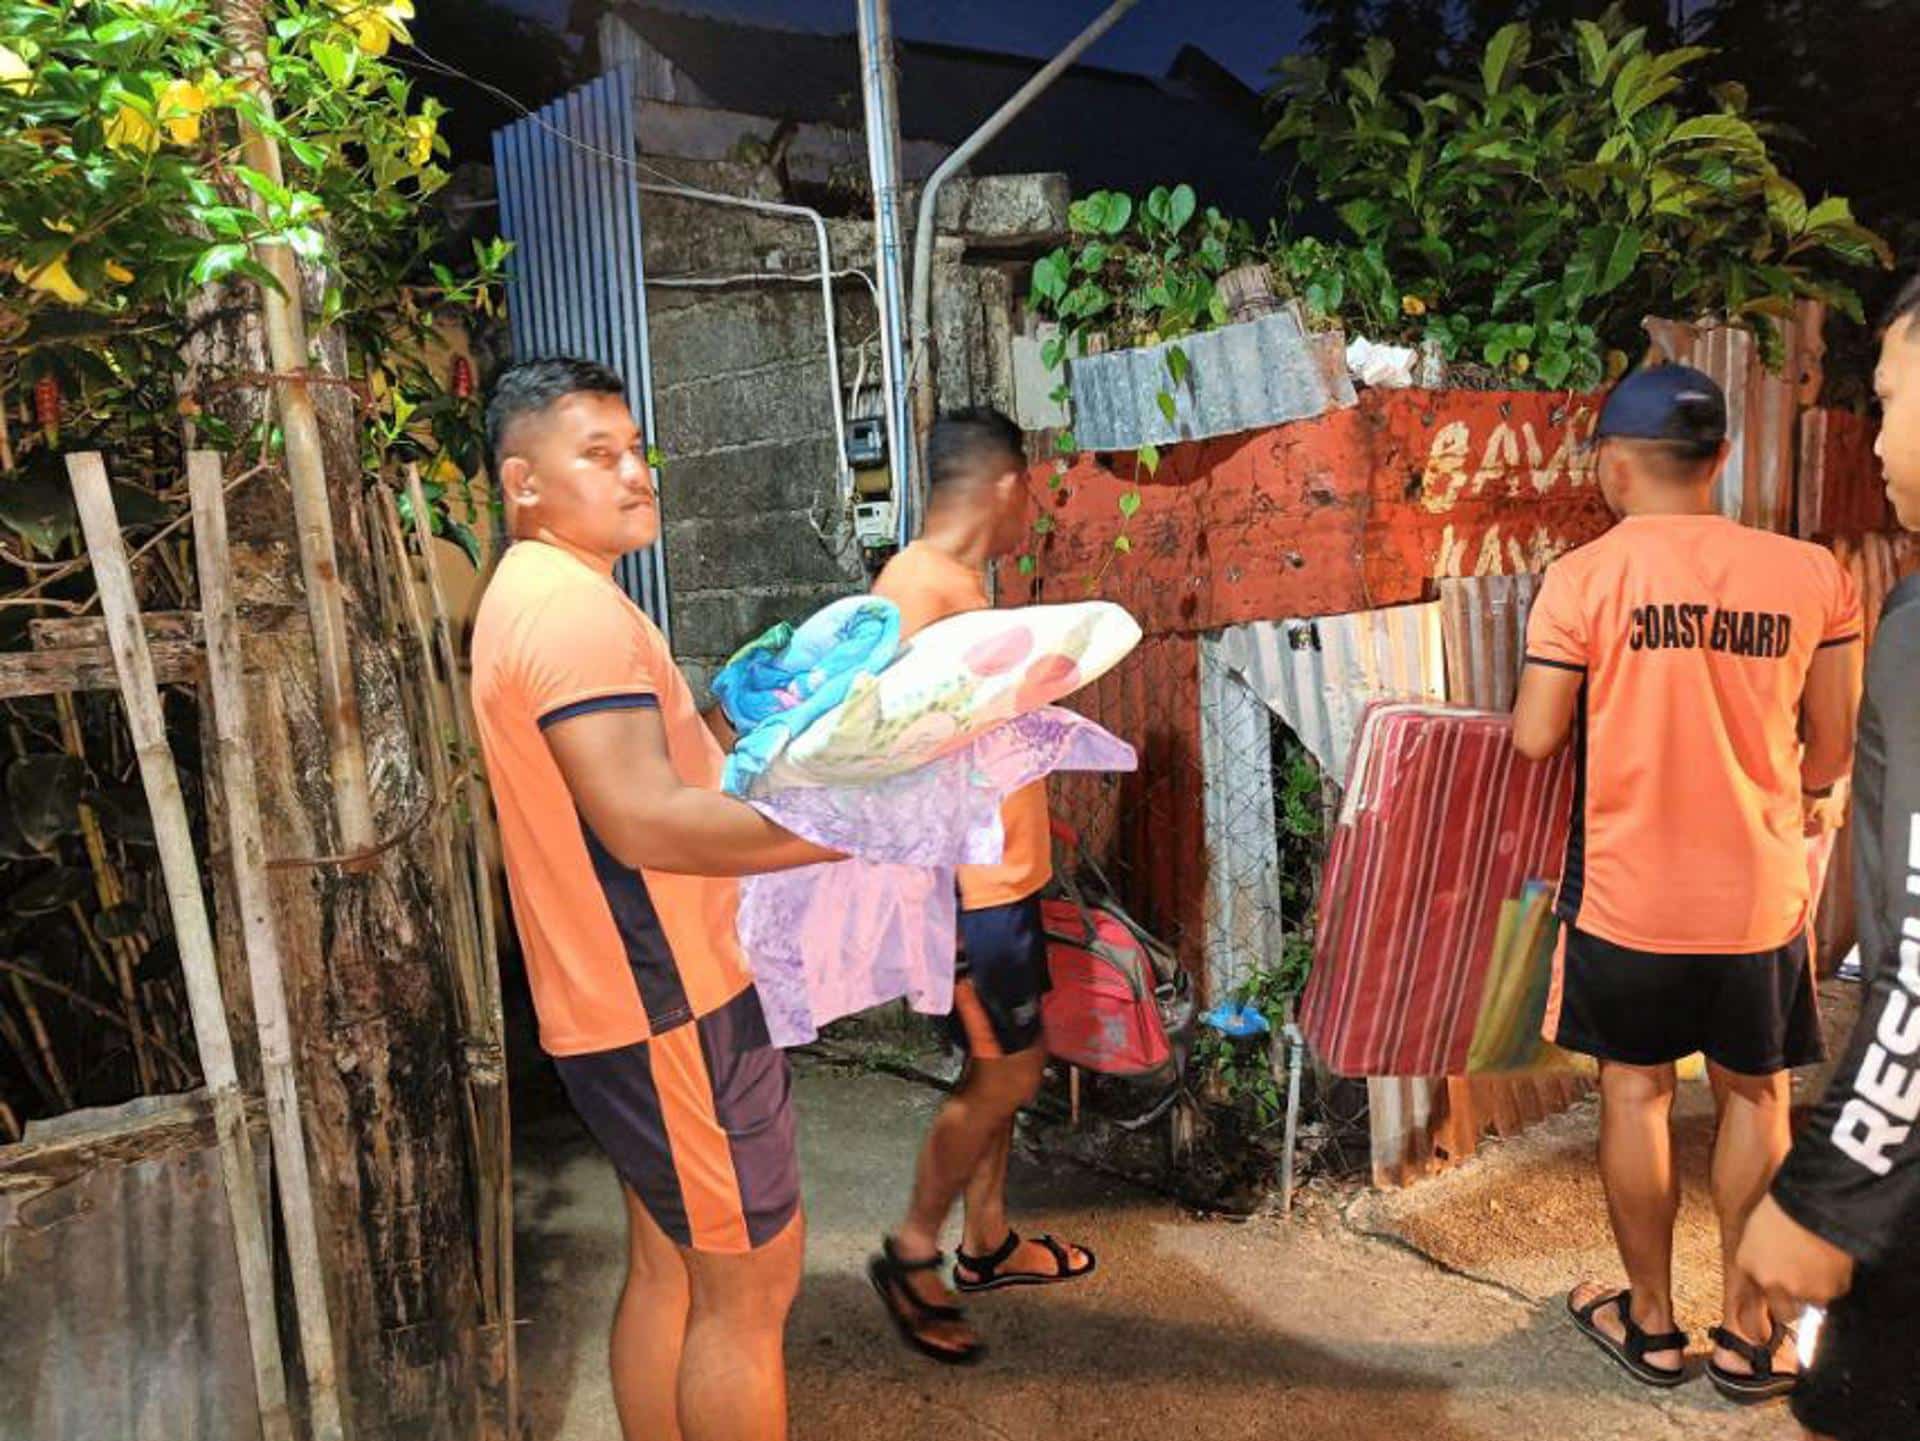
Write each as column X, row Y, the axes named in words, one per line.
column 1842, row 1226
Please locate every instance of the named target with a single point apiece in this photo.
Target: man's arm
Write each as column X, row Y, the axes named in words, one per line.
column 1852, row 1182
column 1829, row 708
column 1543, row 714
column 616, row 765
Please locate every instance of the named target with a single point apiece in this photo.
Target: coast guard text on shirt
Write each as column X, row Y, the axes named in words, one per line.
column 1703, row 627
column 1881, row 1112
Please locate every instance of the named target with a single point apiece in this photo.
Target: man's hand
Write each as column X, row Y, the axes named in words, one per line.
column 1791, row 1264
column 1825, row 813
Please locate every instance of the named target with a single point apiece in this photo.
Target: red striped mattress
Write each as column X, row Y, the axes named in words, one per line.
column 1443, row 822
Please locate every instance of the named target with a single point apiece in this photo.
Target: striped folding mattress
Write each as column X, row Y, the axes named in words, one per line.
column 1444, row 823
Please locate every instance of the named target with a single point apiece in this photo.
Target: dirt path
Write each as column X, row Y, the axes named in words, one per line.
column 1192, row 1328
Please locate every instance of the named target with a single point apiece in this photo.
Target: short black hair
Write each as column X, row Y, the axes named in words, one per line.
column 970, row 442
column 1906, row 306
column 533, row 386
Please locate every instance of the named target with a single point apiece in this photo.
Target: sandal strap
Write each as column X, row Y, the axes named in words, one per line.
column 897, row 1263
column 1638, row 1341
column 1756, row 1355
column 1062, row 1260
column 985, row 1266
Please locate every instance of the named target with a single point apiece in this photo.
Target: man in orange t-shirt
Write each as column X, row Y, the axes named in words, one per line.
column 1708, row 676
column 621, row 857
column 976, row 511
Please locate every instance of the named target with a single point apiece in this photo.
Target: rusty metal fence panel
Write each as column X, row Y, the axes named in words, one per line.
column 118, row 1280
column 576, row 282
column 1763, row 406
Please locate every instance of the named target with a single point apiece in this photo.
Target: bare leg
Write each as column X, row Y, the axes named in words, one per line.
column 649, row 1325
column 971, row 1121
column 1643, row 1196
column 1752, row 1141
column 733, row 1375
column 986, row 1218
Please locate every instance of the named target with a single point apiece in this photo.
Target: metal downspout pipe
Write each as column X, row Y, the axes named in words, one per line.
column 883, row 168
column 920, row 378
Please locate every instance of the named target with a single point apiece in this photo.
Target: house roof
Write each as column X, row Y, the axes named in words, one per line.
column 1106, row 129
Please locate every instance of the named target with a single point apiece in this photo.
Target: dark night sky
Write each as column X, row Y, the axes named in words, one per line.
column 1247, row 36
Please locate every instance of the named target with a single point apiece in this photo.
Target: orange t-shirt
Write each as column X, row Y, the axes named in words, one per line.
column 1695, row 635
column 614, row 955
column 929, row 585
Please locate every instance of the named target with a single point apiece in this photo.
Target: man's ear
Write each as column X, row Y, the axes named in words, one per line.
column 516, row 481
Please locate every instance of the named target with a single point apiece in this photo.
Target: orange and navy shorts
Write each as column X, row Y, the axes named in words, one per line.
column 999, row 980
column 698, row 1121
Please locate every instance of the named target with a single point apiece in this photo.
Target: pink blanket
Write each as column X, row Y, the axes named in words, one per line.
column 827, row 941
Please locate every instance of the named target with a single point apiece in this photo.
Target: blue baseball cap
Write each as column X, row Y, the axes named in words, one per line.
column 1666, row 402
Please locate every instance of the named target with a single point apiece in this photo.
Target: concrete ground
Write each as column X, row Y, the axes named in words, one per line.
column 1332, row 1325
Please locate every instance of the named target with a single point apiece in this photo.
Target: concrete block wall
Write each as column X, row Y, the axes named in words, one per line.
column 756, row 531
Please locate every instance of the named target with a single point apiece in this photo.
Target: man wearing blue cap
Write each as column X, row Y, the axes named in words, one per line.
column 1707, row 675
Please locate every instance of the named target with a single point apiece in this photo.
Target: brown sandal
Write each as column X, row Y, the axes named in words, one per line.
column 911, row 1316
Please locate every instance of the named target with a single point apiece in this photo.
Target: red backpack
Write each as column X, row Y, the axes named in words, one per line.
column 1120, row 1003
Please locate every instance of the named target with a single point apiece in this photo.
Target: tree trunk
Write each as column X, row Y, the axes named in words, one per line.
column 374, row 1028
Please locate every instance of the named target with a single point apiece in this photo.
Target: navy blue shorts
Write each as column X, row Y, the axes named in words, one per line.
column 999, row 980
column 698, row 1121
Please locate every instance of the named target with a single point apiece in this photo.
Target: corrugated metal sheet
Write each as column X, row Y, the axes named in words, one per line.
column 1241, row 377
column 1319, row 675
column 576, row 279
column 118, row 1280
column 1877, row 563
column 1484, row 622
column 1244, row 921
column 1841, row 486
column 1763, row 407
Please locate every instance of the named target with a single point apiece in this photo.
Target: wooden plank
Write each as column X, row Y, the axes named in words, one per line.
column 26, row 673
column 193, row 935
column 79, row 631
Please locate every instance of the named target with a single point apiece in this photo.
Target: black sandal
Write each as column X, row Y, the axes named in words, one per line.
column 1763, row 1383
column 1632, row 1352
column 911, row 1315
column 986, row 1269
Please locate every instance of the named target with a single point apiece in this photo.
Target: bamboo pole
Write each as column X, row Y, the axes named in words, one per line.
column 43, row 1043
column 286, row 329
column 87, row 1003
column 141, row 695
column 253, row 896
column 479, row 849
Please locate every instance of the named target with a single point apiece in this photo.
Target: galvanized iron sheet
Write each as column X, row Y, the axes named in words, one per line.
column 1240, row 377
column 1484, row 622
column 1319, row 675
column 118, row 1280
column 576, row 282
column 1841, row 488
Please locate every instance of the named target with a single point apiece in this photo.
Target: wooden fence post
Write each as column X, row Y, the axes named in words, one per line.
column 253, row 900
column 140, row 693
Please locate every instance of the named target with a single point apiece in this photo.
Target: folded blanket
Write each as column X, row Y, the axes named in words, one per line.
column 960, row 678
column 775, row 687
column 827, row 941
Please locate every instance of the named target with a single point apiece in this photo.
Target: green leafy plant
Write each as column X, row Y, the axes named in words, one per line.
column 1135, row 274
column 130, row 212
column 1539, row 205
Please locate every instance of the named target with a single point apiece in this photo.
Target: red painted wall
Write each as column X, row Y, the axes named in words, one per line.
column 1348, row 511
